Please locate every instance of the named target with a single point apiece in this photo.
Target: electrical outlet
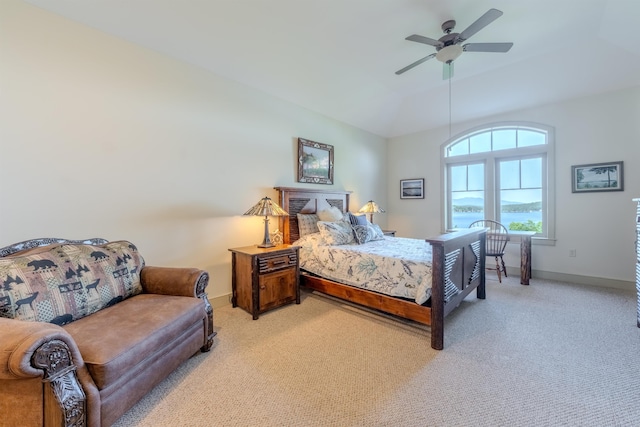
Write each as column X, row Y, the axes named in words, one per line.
column 572, row 253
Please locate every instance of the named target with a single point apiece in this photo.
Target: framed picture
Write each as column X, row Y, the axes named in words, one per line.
column 412, row 188
column 315, row 162
column 597, row 177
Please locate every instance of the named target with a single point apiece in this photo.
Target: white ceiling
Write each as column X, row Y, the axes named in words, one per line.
column 339, row 57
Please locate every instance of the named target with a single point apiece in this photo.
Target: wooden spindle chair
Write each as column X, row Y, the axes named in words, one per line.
column 497, row 238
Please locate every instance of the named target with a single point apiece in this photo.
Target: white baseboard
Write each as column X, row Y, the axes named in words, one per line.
column 220, row 301
column 575, row 278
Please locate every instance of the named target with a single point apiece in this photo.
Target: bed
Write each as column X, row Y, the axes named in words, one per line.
column 457, row 260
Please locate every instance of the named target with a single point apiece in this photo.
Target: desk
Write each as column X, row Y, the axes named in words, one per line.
column 525, row 254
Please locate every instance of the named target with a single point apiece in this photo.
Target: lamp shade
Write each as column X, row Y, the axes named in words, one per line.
column 371, row 207
column 266, row 208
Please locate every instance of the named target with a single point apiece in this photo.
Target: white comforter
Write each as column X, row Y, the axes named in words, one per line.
column 394, row 266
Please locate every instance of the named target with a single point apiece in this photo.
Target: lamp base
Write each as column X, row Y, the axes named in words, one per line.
column 266, row 243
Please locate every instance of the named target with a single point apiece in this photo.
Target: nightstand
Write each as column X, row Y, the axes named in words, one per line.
column 264, row 278
column 391, row 233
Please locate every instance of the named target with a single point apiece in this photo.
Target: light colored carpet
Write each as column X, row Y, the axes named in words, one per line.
column 548, row 354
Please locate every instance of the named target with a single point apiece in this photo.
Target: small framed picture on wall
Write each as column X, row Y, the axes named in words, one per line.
column 597, row 177
column 412, row 188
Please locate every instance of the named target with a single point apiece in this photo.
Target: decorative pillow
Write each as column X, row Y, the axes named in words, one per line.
column 357, row 219
column 331, row 214
column 65, row 282
column 336, row 233
column 361, row 233
column 367, row 233
column 307, row 224
column 377, row 231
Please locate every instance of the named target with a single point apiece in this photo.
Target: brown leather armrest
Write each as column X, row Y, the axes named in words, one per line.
column 19, row 340
column 47, row 351
column 188, row 282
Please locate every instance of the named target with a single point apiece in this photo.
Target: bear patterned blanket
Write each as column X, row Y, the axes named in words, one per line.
column 60, row 283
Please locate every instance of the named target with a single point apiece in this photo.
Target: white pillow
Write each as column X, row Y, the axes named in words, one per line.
column 331, row 214
column 336, row 232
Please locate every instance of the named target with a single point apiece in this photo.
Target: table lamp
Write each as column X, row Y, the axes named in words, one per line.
column 370, row 208
column 266, row 207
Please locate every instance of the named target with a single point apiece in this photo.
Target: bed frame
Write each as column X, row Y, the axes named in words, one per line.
column 458, row 258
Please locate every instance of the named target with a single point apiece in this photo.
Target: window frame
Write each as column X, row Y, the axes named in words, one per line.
column 491, row 160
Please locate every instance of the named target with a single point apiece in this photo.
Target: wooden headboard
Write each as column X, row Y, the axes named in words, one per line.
column 305, row 200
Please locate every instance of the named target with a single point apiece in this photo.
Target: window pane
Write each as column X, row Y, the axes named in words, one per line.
column 459, row 148
column 510, row 174
column 504, row 139
column 459, row 178
column 467, row 195
column 521, row 209
column 532, row 173
column 527, row 138
column 467, row 207
column 476, row 177
column 480, row 143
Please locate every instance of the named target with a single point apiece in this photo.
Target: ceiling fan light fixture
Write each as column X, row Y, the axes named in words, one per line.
column 449, row 53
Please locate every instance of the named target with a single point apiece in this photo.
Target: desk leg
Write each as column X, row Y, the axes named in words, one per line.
column 525, row 260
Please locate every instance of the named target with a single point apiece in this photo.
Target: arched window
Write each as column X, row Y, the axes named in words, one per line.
column 503, row 172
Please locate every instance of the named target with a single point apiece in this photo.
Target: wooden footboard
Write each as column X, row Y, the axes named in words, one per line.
column 458, row 260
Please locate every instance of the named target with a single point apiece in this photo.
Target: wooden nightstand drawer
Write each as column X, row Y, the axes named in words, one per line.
column 275, row 262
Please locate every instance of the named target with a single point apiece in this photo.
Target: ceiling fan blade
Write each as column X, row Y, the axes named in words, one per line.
column 418, row 62
column 486, row 19
column 487, row 47
column 425, row 40
column 447, row 70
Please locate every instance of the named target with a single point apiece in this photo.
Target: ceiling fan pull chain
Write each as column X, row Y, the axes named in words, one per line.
column 450, row 105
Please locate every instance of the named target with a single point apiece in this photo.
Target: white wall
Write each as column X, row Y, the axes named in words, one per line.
column 600, row 226
column 103, row 138
column 100, row 137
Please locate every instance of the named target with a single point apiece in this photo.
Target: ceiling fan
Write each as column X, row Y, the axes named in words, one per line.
column 449, row 47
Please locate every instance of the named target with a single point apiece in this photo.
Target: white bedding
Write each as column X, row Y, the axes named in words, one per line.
column 393, row 266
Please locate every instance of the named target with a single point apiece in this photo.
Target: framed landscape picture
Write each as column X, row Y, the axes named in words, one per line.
column 412, row 188
column 597, row 177
column 315, row 162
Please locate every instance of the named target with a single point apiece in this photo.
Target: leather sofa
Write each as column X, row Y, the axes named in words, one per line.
column 86, row 329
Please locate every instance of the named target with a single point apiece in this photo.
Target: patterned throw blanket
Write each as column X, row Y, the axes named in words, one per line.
column 60, row 283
